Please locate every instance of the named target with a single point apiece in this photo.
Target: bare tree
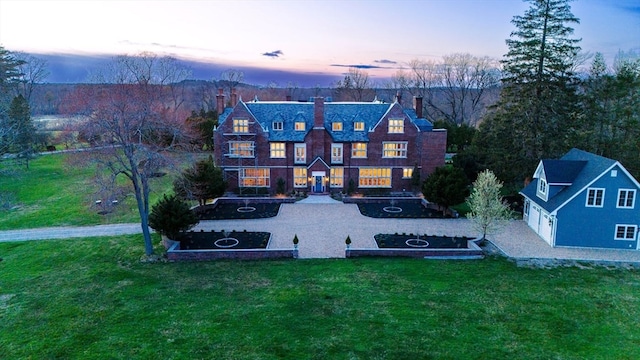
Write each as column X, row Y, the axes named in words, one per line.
column 355, row 86
column 33, row 70
column 455, row 89
column 134, row 122
column 232, row 77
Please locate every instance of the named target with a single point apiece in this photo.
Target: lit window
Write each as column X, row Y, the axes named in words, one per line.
column 254, row 177
column 626, row 198
column 595, row 197
column 394, row 149
column 336, row 153
column 336, row 126
column 277, row 125
column 337, row 177
column 359, row 150
column 241, row 149
column 299, row 177
column 299, row 126
column 407, row 173
column 240, row 126
column 374, row 177
column 300, row 153
column 626, row 232
column 358, row 126
column 396, row 126
column 277, row 150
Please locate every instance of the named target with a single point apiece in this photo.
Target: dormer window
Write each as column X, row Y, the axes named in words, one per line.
column 542, row 186
column 358, row 126
column 336, row 126
column 300, row 126
column 277, row 125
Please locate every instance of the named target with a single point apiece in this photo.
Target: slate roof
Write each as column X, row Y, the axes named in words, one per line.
column 370, row 113
column 592, row 167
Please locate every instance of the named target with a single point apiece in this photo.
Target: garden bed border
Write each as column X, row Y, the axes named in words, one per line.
column 473, row 251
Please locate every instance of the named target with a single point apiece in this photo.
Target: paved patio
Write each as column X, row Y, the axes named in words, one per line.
column 322, row 224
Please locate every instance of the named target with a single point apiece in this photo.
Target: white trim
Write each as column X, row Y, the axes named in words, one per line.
column 400, row 150
column 586, row 202
column 296, row 159
column 626, row 226
column 588, row 185
column 633, row 201
column 337, row 159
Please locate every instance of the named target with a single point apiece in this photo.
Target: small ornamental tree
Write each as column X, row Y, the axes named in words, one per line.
column 170, row 216
column 446, row 186
column 489, row 213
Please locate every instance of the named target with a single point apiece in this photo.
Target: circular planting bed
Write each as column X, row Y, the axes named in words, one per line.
column 223, row 240
column 238, row 210
column 409, row 209
column 411, row 241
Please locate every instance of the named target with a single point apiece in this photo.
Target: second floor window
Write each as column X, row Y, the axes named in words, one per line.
column 358, row 126
column 277, row 150
column 277, row 125
column 394, row 149
column 240, row 126
column 336, row 153
column 626, row 198
column 359, row 150
column 299, row 126
column 300, row 153
column 241, row 149
column 595, row 197
column 336, row 126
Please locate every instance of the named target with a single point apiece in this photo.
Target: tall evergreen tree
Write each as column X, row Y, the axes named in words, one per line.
column 22, row 125
column 611, row 111
column 537, row 108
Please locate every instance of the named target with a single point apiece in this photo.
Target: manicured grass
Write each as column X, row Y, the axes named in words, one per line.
column 94, row 299
column 52, row 193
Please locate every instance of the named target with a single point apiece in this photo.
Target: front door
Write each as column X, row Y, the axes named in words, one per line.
column 318, row 184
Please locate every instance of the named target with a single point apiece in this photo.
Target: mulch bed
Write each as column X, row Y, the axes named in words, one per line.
column 229, row 211
column 434, row 242
column 409, row 210
column 207, row 240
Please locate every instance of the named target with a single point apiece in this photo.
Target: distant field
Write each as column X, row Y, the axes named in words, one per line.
column 94, row 299
column 52, row 193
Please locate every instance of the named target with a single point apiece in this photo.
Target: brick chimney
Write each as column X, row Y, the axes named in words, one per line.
column 417, row 103
column 318, row 112
column 234, row 97
column 399, row 97
column 220, row 101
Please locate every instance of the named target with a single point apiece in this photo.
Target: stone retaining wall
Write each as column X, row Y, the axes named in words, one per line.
column 175, row 254
column 473, row 251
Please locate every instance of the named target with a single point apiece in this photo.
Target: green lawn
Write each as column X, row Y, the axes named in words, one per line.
column 94, row 299
column 53, row 193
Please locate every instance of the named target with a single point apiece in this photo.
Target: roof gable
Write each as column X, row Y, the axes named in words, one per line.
column 594, row 168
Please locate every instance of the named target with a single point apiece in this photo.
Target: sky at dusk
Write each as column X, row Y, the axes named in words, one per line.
column 282, row 38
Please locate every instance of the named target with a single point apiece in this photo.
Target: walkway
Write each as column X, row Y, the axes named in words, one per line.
column 322, row 224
